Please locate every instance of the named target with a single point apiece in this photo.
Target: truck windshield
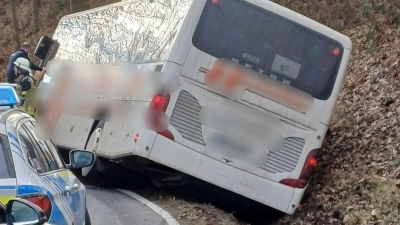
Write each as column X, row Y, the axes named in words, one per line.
column 269, row 44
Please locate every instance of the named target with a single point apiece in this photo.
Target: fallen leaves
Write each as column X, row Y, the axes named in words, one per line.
column 358, row 178
column 191, row 213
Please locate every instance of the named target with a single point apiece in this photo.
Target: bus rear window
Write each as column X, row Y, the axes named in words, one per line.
column 269, row 44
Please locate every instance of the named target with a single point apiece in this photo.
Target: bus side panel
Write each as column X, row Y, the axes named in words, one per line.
column 118, row 140
column 72, row 132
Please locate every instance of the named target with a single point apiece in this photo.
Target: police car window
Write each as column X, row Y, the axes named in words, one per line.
column 50, row 152
column 34, row 157
column 6, row 167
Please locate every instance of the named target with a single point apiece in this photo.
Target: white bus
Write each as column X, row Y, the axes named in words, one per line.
column 260, row 142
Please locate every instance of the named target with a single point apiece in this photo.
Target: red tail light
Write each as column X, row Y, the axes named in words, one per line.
column 306, row 173
column 160, row 102
column 43, row 201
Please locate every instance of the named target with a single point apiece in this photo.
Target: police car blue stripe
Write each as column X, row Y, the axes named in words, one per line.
column 12, row 136
column 73, row 202
column 15, row 145
column 7, row 187
column 57, row 188
column 56, row 215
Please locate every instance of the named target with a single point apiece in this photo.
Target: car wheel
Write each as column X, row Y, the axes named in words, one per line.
column 87, row 217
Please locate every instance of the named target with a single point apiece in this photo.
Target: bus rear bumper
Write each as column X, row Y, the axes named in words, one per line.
column 201, row 166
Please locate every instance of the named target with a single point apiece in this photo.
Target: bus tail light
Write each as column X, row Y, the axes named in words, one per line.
column 43, row 201
column 160, row 103
column 306, row 173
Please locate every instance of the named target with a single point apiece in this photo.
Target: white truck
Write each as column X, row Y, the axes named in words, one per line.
column 262, row 141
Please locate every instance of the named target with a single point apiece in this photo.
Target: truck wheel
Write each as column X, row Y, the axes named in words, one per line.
column 87, row 217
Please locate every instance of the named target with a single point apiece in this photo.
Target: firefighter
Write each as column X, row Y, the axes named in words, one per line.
column 26, row 81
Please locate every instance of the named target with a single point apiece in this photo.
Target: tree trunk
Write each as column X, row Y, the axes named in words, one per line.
column 35, row 14
column 54, row 9
column 77, row 5
column 15, row 22
column 39, row 3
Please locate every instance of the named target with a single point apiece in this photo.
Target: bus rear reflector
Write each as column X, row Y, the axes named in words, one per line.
column 307, row 172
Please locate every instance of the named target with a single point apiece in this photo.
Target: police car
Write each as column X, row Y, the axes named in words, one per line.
column 36, row 186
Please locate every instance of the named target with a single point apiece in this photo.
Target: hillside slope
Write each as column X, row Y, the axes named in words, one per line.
column 357, row 181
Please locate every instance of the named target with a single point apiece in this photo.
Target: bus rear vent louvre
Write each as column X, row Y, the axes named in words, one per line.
column 186, row 118
column 285, row 160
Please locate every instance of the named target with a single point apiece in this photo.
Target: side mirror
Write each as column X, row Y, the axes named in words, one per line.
column 46, row 49
column 20, row 212
column 81, row 159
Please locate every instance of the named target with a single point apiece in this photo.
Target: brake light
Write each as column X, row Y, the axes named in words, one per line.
column 306, row 173
column 136, row 137
column 43, row 201
column 312, row 162
column 336, row 51
column 160, row 102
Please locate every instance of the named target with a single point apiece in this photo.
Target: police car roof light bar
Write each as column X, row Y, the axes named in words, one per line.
column 8, row 96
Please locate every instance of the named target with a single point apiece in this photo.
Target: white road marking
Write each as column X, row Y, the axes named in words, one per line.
column 164, row 214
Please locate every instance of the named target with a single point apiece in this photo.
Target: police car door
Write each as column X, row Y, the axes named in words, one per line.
column 67, row 187
column 7, row 172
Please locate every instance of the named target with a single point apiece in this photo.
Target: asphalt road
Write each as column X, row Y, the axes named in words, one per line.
column 109, row 206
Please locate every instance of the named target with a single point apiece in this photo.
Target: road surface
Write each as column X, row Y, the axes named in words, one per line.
column 110, row 206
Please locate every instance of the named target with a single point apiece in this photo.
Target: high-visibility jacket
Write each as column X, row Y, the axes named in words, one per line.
column 31, row 111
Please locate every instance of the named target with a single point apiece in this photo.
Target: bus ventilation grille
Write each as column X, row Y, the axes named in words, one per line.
column 186, row 118
column 285, row 160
